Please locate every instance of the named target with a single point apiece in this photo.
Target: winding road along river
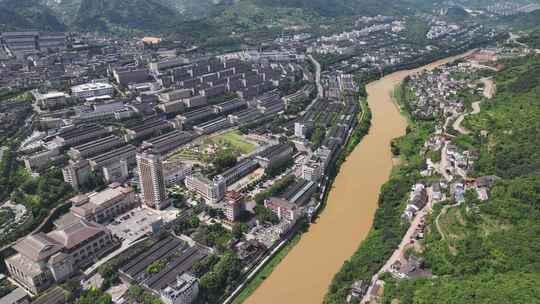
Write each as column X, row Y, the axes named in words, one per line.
column 305, row 273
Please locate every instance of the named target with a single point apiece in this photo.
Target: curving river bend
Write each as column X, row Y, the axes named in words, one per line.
column 305, row 273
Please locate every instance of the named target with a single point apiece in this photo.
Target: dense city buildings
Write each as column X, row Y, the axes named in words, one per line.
column 186, row 167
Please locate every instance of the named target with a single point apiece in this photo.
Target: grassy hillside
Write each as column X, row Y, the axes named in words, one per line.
column 491, row 252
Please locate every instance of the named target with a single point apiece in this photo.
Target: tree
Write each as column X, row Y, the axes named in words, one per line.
column 264, row 214
column 224, row 274
column 224, row 160
column 179, row 200
column 186, row 224
column 94, row 296
column 237, row 231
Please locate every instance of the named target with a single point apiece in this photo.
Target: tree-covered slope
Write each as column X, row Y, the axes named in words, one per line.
column 490, row 252
column 172, row 15
column 524, row 21
column 332, row 8
column 30, row 14
column 110, row 15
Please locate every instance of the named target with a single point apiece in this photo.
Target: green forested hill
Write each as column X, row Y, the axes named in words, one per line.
column 492, row 254
column 174, row 15
column 108, row 15
column 17, row 14
column 525, row 21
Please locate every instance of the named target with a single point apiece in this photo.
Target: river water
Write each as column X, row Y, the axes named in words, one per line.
column 305, row 273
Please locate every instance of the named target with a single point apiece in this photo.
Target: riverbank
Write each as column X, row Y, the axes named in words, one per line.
column 347, row 217
column 388, row 230
column 356, row 135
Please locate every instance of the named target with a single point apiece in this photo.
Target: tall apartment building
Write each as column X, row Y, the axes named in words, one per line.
column 151, row 180
column 76, row 173
column 234, row 205
column 301, row 129
column 212, row 190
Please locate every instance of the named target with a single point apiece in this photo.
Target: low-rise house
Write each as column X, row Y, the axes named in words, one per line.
column 483, row 184
column 417, row 200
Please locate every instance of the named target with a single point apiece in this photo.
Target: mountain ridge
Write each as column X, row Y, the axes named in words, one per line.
column 168, row 15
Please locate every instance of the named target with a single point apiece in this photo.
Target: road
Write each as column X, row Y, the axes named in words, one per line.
column 483, row 66
column 489, row 92
column 489, row 88
column 443, row 164
column 398, row 254
column 320, row 91
column 457, row 124
column 514, row 39
column 444, row 211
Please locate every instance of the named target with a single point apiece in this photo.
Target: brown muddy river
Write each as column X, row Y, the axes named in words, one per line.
column 305, row 273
